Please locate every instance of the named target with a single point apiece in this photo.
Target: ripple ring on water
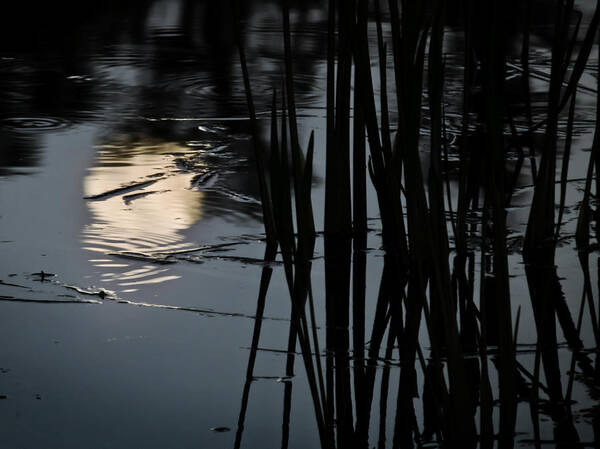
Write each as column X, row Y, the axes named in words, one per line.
column 33, row 123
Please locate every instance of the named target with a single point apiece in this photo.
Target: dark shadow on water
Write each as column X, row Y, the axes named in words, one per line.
column 471, row 368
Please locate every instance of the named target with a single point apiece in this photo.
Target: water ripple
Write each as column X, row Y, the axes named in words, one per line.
column 33, row 123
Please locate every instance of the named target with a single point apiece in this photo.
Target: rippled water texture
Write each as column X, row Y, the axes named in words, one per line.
column 131, row 239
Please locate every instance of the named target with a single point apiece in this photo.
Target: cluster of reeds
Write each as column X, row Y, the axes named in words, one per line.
column 432, row 246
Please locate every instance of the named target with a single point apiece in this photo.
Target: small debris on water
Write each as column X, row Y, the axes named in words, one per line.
column 220, row 429
column 43, row 275
column 3, row 396
column 93, row 292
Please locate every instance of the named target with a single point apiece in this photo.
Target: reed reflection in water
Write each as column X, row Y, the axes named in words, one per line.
column 445, row 314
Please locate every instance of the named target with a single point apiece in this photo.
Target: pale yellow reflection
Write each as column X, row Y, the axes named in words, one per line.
column 151, row 214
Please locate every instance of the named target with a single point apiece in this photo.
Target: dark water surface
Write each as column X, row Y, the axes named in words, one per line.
column 127, row 178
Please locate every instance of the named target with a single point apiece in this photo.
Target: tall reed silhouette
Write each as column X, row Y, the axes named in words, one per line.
column 445, row 280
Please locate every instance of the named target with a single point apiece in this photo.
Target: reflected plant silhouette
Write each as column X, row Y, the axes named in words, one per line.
column 446, row 267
